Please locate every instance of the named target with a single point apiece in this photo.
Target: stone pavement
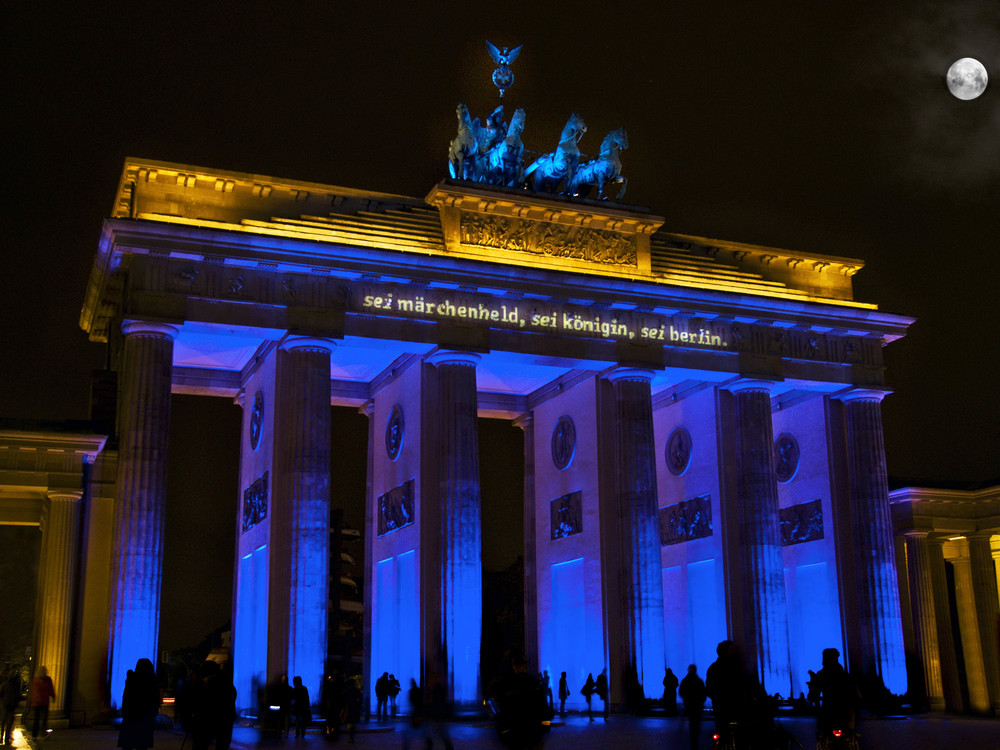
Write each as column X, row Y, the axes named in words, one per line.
column 620, row 732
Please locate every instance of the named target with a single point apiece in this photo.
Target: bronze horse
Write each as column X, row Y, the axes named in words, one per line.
column 606, row 168
column 503, row 164
column 558, row 167
column 464, row 149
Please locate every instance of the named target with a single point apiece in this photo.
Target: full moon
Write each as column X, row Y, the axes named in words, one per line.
column 966, row 78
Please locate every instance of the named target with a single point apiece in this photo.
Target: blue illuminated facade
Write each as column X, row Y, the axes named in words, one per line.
column 703, row 444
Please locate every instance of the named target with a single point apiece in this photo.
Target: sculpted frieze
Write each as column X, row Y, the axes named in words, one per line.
column 553, row 240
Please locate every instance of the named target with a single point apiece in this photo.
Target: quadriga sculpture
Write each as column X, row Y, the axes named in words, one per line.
column 606, row 168
column 558, row 167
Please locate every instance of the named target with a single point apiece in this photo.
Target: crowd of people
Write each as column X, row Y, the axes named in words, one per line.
column 522, row 704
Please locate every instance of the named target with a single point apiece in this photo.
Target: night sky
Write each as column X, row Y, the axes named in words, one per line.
column 820, row 127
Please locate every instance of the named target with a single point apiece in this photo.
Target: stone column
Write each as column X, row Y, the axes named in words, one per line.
column 137, row 557
column 639, row 529
column 300, row 526
column 972, row 647
column 57, row 587
column 527, row 424
column 765, row 618
column 879, row 618
column 984, row 585
column 925, row 622
column 460, row 531
column 946, row 636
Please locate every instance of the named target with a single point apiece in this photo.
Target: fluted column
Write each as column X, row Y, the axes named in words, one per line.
column 459, row 505
column 879, row 618
column 946, row 636
column 57, row 579
column 527, row 424
column 984, row 584
column 300, row 527
column 137, row 558
column 968, row 625
column 765, row 618
column 925, row 622
column 639, row 530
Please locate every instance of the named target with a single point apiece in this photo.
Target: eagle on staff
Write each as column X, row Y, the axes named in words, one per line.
column 502, row 76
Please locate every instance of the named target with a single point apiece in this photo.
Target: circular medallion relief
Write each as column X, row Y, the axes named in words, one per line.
column 394, row 432
column 256, row 420
column 563, row 442
column 786, row 457
column 678, row 452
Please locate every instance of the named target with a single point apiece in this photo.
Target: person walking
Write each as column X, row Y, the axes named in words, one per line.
column 39, row 694
column 588, row 693
column 140, row 707
column 693, row 694
column 10, row 697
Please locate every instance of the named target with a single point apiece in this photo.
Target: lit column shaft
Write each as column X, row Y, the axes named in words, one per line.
column 968, row 625
column 639, row 530
column 880, row 620
column 137, row 558
column 300, row 527
column 527, row 423
column 57, row 576
column 460, row 537
column 984, row 584
column 946, row 637
column 765, row 621
column 925, row 624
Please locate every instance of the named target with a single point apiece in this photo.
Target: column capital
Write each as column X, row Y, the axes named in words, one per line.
column 863, row 394
column 148, row 328
column 750, row 384
column 525, row 421
column 307, row 343
column 67, row 496
column 450, row 357
column 630, row 373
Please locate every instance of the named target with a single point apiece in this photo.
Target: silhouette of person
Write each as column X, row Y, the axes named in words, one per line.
column 523, row 713
column 588, row 693
column 214, row 708
column 332, row 701
column 563, row 693
column 601, row 688
column 10, row 697
column 670, row 693
column 726, row 683
column 440, row 713
column 352, row 705
column 300, row 707
column 547, row 687
column 394, row 688
column 382, row 696
column 837, row 694
column 140, row 707
column 40, row 693
column 693, row 694
column 416, row 730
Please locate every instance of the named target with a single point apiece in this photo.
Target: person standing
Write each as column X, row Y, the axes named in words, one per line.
column 140, row 707
column 394, row 688
column 563, row 694
column 300, row 707
column 382, row 696
column 693, row 694
column 10, row 696
column 39, row 694
column 670, row 693
column 601, row 688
